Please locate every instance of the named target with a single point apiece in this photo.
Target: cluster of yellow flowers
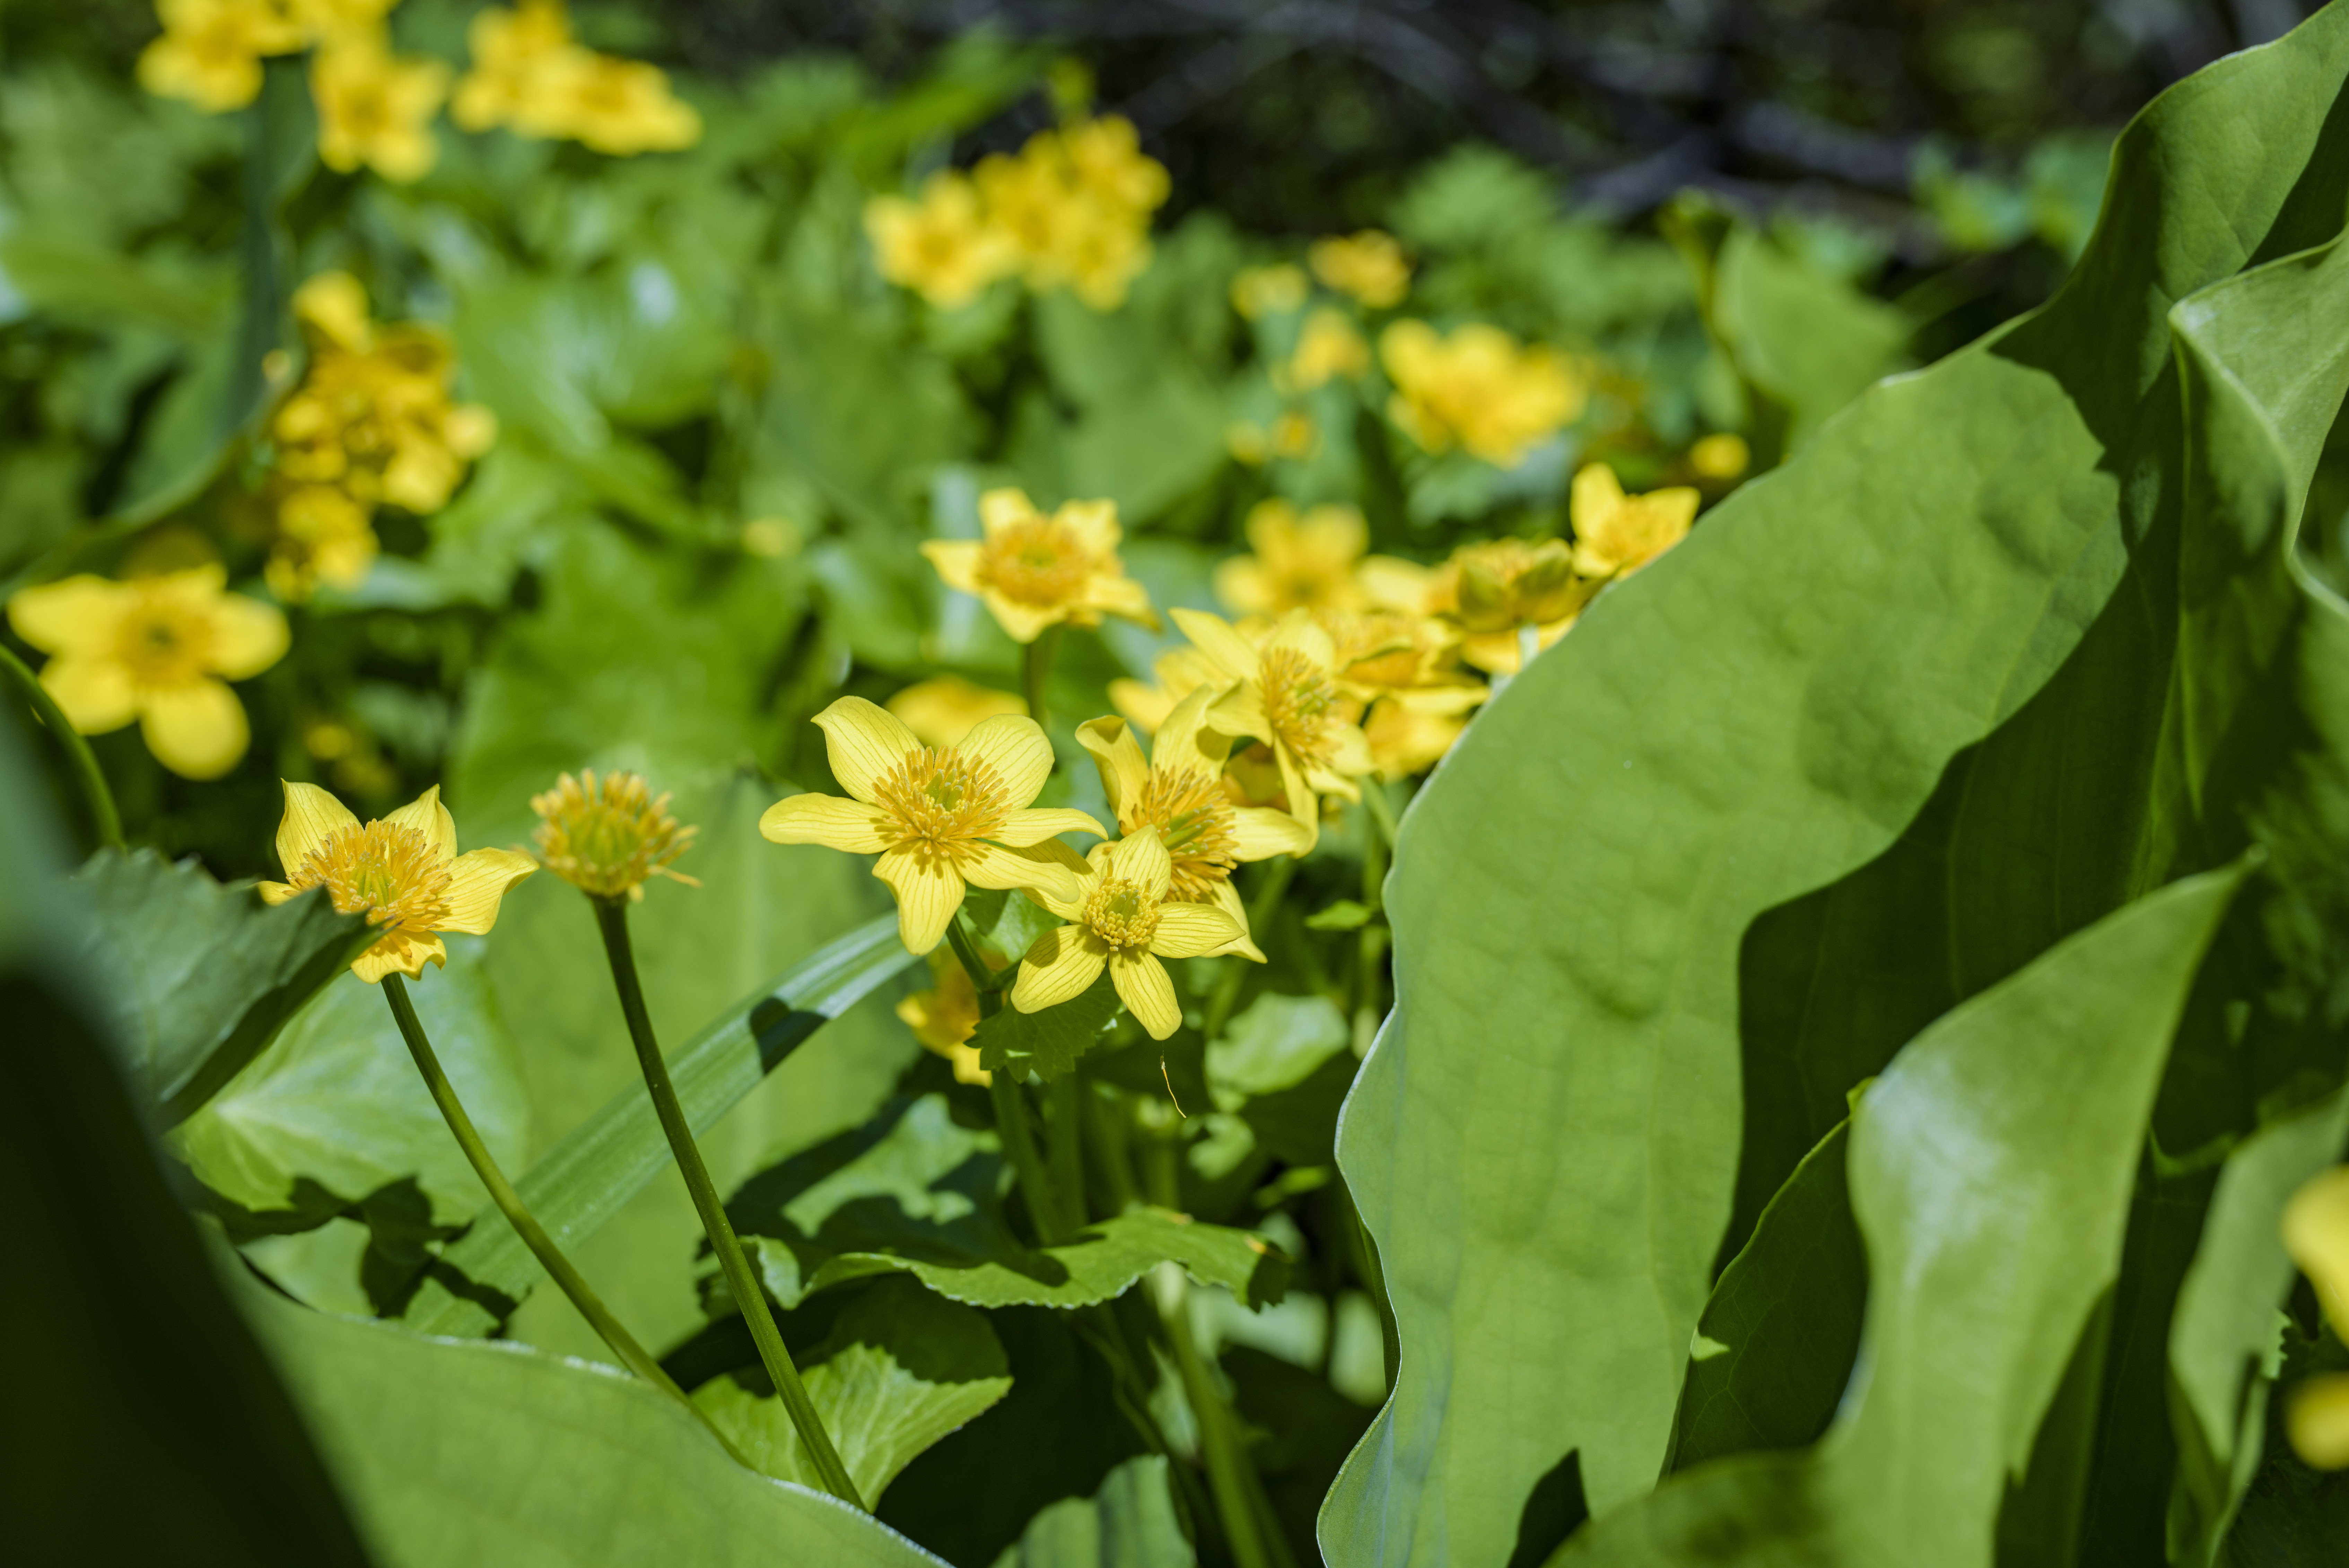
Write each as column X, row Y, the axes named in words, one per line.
column 2317, row 1233
column 376, row 107
column 1071, row 209
column 1478, row 388
column 371, row 421
column 1328, row 345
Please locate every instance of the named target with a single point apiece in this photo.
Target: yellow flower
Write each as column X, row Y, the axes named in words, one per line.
column 1107, row 251
column 2316, row 1234
column 1285, row 693
column 332, row 308
column 1369, row 265
column 404, row 871
column 1401, row 664
column 159, row 650
column 939, row 816
column 330, row 19
column 1178, row 791
column 1504, row 584
column 1032, row 571
column 1074, row 208
column 1180, row 671
column 941, row 246
column 1106, row 158
column 605, row 836
column 1326, row 349
column 323, row 536
column 1406, row 738
column 943, row 1017
column 942, row 710
column 1616, row 534
column 375, row 109
column 1120, row 918
column 617, row 106
column 210, row 53
column 1720, row 456
column 1477, row 389
column 510, row 50
column 1261, row 291
column 1300, row 563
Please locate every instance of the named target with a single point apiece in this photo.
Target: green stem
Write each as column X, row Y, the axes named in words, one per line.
column 623, row 1344
column 90, row 779
column 1036, row 661
column 1382, row 810
column 1370, row 944
column 1269, row 894
column 1035, row 1185
column 612, row 919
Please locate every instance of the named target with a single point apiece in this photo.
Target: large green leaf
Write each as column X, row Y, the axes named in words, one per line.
column 1993, row 1222
column 900, row 1370
column 1129, row 1524
column 1723, row 840
column 198, row 976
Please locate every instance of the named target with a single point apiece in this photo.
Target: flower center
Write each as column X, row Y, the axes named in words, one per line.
column 163, row 643
column 941, row 797
column 1193, row 818
column 607, row 836
column 1122, row 913
column 1035, row 563
column 1297, row 698
column 391, row 871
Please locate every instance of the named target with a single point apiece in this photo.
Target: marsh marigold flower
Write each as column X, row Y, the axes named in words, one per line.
column 1369, row 265
column 940, row 817
column 942, row 246
column 1477, row 389
column 943, row 709
column 2317, row 1233
column 1299, row 562
column 159, row 650
column 375, row 109
column 511, row 50
column 1329, row 347
column 1720, row 456
column 943, row 1017
column 1073, row 207
column 1498, row 587
column 1286, row 695
column 1119, row 919
column 1260, row 291
column 1615, row 534
column 1032, row 571
column 403, row 871
column 529, row 75
column 1179, row 671
column 1403, row 666
column 211, row 51
column 607, row 836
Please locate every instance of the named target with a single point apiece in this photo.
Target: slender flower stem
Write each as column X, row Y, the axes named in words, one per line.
column 623, row 1344
column 612, row 919
column 89, row 778
column 1036, row 662
column 1035, row 1185
column 1528, row 646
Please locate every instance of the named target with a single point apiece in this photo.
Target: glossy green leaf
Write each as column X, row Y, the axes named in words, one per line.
column 1994, row 1222
column 1046, row 1045
column 900, row 1370
column 200, row 977
column 1129, row 1524
column 1275, row 1044
column 1710, row 862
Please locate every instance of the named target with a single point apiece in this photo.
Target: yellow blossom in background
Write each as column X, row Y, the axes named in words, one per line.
column 1034, row 571
column 942, row 246
column 606, row 836
column 1179, row 671
column 529, row 76
column 943, row 1017
column 1615, row 534
column 1404, row 666
column 1477, row 389
column 1072, row 208
column 511, row 51
column 1177, row 791
column 1369, row 265
column 1329, row 347
column 160, row 649
column 1720, row 456
column 1106, row 157
column 1105, row 255
column 1260, row 291
column 1500, row 587
column 1284, row 693
column 1293, row 434
column 376, row 110
column 1119, row 919
column 403, row 871
column 1299, row 562
column 940, row 817
column 2316, row 1234
column 323, row 536
column 943, row 709
column 211, row 51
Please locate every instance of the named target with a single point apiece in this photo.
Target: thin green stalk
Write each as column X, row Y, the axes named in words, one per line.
column 89, row 780
column 623, row 1344
column 1036, row 661
column 1045, row 1210
column 612, row 920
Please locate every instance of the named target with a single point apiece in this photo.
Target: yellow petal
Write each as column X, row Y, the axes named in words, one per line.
column 865, row 743
column 1005, row 508
column 1062, row 963
column 1243, row 584
column 1183, row 742
column 929, row 890
column 828, row 820
column 425, row 816
column 1117, row 755
column 1240, row 712
column 312, row 817
column 1051, row 869
column 1015, row 747
column 1147, row 991
column 197, row 731
column 2319, row 1419
column 1142, row 858
column 1022, row 623
column 1304, row 806
column 1187, row 931
column 1299, row 630
column 1594, row 498
column 1227, row 897
column 1035, row 824
column 278, row 892
column 77, row 615
column 1213, row 636
column 1094, row 523
column 248, row 636
column 1259, row 833
column 95, row 694
column 402, row 953
column 1118, row 595
column 2316, row 1234
column 943, row 709
column 957, row 561
column 477, row 881
column 1350, row 750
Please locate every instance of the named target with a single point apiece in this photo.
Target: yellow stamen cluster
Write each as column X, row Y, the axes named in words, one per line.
column 393, row 872
column 1299, row 703
column 1035, row 562
column 607, row 836
column 939, row 796
column 1124, row 914
column 1194, row 814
